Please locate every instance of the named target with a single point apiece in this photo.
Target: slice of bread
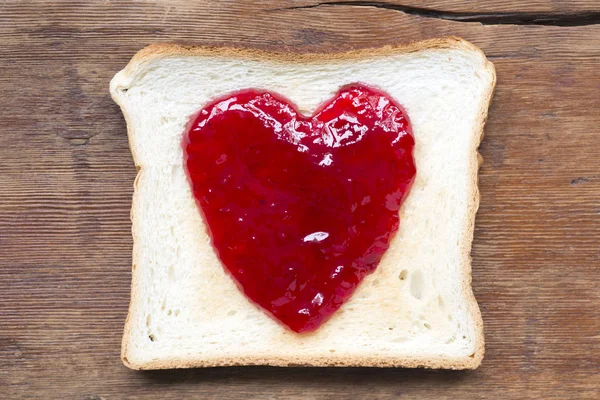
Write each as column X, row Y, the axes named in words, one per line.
column 416, row 310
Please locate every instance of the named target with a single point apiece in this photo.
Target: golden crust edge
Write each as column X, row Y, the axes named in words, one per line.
column 475, row 165
column 160, row 50
column 289, row 361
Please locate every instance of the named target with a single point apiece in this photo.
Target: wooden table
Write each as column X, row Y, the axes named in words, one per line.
column 66, row 178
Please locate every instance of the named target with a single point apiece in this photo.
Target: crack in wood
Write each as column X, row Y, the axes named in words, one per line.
column 497, row 18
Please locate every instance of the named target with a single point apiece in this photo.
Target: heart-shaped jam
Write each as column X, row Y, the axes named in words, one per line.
column 299, row 208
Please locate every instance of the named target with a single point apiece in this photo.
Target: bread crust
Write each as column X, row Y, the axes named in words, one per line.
column 144, row 57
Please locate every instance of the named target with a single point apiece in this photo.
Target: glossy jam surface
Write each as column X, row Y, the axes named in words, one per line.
column 299, row 208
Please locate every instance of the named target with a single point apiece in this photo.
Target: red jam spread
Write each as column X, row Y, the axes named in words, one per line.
column 300, row 208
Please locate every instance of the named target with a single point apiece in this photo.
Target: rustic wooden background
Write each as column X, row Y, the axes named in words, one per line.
column 66, row 179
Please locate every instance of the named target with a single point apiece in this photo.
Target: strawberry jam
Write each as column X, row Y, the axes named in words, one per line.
column 300, row 209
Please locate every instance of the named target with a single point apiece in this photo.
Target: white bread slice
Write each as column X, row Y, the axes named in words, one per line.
column 416, row 310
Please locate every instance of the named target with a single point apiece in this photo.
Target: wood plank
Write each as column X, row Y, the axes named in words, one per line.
column 66, row 179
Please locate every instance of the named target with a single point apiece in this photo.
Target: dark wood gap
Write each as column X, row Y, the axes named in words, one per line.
column 498, row 18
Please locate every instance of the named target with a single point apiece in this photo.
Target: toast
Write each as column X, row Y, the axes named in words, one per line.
column 416, row 310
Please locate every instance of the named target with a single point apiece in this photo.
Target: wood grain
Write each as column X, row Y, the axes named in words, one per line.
column 66, row 179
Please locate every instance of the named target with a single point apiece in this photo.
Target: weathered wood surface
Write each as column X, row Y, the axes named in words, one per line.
column 66, row 179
